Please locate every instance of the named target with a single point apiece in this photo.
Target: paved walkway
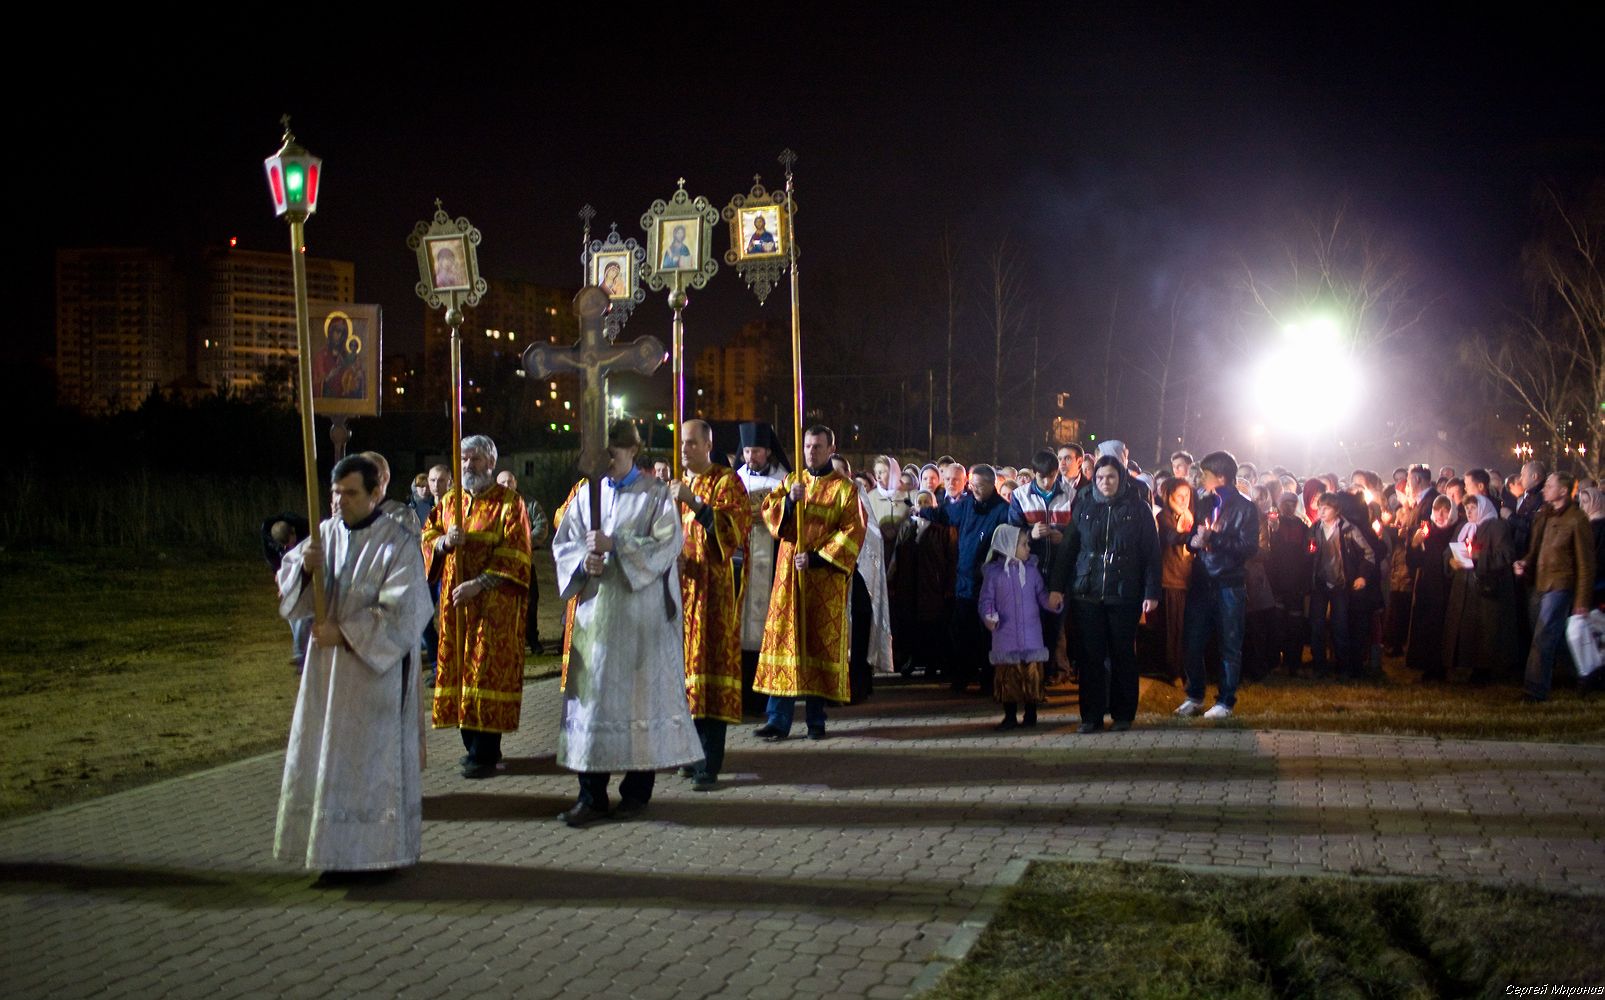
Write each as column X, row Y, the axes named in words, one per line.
column 844, row 868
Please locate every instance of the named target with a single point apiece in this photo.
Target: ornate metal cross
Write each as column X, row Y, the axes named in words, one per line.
column 593, row 358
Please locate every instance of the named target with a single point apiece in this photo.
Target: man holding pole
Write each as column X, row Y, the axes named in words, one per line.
column 713, row 506
column 482, row 565
column 351, row 799
column 817, row 518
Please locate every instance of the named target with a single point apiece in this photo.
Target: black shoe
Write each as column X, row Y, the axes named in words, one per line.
column 817, row 734
column 1090, row 727
column 1030, row 716
column 1120, row 727
column 536, row 648
column 704, row 782
column 628, row 809
column 477, row 771
column 687, row 771
column 767, row 731
column 465, row 760
column 343, row 879
column 1007, row 724
column 582, row 813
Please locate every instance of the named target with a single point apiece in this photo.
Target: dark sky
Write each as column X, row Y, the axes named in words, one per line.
column 1101, row 142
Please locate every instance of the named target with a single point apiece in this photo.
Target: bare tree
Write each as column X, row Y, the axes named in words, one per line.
column 1552, row 360
column 1342, row 269
column 948, row 252
column 1005, row 286
column 1108, row 348
column 1166, row 366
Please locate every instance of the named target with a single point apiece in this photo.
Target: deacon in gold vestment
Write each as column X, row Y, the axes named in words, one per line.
column 714, row 514
column 483, row 569
column 805, row 650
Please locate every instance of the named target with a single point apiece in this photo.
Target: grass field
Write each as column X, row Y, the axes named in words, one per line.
column 1397, row 705
column 1129, row 930
column 119, row 669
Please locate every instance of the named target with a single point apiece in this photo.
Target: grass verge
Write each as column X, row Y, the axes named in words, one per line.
column 119, row 669
column 1398, row 704
column 1133, row 930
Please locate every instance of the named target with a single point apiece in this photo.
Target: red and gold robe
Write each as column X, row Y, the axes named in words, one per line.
column 479, row 678
column 708, row 594
column 811, row 659
column 568, row 606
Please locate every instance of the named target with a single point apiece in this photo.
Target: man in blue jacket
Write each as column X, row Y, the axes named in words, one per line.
column 1225, row 536
column 976, row 513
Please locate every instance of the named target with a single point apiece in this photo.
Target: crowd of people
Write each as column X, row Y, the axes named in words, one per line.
column 741, row 588
column 1212, row 569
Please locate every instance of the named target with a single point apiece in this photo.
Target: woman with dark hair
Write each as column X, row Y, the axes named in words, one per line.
column 1313, row 488
column 1109, row 563
column 1426, row 556
column 1479, row 628
column 1176, row 564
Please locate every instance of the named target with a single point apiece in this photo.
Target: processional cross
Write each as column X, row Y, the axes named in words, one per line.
column 593, row 357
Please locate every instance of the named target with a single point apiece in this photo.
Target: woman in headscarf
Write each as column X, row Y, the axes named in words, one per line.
column 1480, row 633
column 1109, row 564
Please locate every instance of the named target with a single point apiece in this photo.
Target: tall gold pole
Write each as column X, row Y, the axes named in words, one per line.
column 677, row 302
column 788, row 158
column 309, row 447
column 454, row 317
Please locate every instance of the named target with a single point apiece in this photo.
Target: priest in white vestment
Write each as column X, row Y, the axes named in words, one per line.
column 351, row 800
column 624, row 700
column 763, row 469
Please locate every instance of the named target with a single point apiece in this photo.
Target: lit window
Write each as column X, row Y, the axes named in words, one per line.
column 566, row 405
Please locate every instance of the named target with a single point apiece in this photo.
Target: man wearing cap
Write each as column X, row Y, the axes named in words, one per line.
column 762, row 471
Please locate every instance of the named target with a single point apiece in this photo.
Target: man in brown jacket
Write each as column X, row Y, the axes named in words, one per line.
column 1560, row 563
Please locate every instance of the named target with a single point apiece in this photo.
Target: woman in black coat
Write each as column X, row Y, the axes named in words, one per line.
column 1109, row 565
column 1425, row 556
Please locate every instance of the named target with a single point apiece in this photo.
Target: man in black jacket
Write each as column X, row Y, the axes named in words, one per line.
column 1225, row 536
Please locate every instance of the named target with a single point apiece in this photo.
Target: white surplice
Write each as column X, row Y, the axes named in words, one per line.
column 871, row 568
column 351, row 797
column 624, row 707
column 760, row 557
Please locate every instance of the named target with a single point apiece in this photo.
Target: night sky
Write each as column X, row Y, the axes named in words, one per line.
column 1114, row 150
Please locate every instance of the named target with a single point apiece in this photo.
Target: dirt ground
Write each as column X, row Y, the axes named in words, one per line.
column 118, row 669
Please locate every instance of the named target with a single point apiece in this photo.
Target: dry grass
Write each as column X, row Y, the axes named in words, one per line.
column 1398, row 704
column 1101, row 930
column 120, row 669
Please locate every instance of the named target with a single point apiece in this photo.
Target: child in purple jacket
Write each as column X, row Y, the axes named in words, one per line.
column 1011, row 595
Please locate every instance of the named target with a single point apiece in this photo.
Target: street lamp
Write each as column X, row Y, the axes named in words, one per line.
column 293, row 176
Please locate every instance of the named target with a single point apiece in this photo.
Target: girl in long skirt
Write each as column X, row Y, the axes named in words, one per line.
column 1012, row 599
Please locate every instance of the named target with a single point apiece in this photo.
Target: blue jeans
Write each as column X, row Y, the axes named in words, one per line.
column 1549, row 632
column 1220, row 610
column 780, row 712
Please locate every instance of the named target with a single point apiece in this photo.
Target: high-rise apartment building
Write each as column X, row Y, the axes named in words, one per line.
column 119, row 327
column 736, row 381
column 250, row 312
column 510, row 316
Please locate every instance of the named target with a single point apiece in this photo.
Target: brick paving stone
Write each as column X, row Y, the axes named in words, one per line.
column 833, row 869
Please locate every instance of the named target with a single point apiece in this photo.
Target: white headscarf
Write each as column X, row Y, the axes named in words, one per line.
column 1005, row 539
column 1485, row 510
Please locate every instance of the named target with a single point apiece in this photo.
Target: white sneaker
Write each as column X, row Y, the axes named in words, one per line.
column 1218, row 712
column 1188, row 708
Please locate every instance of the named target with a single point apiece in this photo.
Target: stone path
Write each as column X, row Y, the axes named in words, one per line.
column 851, row 867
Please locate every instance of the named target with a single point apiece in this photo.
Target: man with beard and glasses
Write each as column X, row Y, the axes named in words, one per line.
column 483, row 568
